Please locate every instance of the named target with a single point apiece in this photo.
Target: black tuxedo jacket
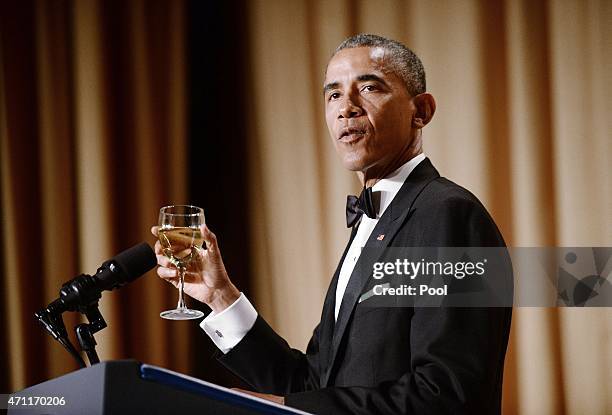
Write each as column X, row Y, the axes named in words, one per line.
column 377, row 360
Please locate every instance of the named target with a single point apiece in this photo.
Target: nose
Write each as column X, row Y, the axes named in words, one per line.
column 349, row 109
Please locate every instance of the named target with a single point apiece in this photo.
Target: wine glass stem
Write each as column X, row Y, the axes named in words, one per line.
column 181, row 300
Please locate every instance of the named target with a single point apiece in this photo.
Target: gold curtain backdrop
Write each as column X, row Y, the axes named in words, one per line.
column 93, row 141
column 524, row 98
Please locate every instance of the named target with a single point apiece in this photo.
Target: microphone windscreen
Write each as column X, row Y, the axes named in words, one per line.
column 136, row 260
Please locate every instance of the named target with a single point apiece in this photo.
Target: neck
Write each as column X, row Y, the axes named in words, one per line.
column 376, row 173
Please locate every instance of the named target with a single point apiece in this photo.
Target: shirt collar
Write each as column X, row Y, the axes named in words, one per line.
column 390, row 185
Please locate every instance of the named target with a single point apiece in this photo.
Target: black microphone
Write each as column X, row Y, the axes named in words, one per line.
column 114, row 273
column 83, row 293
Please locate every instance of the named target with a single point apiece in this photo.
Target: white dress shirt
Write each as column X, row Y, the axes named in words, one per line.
column 388, row 188
column 228, row 327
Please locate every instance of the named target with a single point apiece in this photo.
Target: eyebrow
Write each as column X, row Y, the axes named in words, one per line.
column 330, row 86
column 371, row 77
column 360, row 78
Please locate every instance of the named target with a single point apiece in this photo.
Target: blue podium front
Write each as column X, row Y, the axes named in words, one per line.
column 129, row 387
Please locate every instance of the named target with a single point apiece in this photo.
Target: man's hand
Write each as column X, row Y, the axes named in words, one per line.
column 206, row 279
column 272, row 398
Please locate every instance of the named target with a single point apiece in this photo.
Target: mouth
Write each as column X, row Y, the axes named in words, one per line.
column 351, row 134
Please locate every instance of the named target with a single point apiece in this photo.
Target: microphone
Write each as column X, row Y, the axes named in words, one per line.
column 114, row 273
column 82, row 294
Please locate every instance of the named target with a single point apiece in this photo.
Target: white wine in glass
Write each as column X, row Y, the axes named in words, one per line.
column 180, row 237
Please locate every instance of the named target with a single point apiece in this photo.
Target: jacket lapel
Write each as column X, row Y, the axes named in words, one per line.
column 388, row 225
column 327, row 316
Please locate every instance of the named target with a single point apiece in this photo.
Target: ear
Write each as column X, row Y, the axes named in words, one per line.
column 425, row 105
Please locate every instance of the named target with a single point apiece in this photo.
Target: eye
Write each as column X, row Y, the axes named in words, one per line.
column 369, row 88
column 334, row 95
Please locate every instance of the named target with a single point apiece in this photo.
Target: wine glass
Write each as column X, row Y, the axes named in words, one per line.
column 180, row 236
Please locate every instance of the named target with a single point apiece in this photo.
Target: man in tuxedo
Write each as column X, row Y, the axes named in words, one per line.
column 366, row 360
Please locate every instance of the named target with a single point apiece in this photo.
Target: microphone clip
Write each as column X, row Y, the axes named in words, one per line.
column 85, row 332
column 75, row 295
column 53, row 323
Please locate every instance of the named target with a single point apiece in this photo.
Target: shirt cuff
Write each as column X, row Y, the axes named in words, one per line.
column 228, row 327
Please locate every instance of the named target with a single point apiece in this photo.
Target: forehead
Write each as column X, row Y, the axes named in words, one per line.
column 352, row 62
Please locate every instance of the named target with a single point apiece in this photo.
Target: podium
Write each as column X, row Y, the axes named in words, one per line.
column 129, row 387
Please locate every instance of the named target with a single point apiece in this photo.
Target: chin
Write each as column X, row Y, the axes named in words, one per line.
column 355, row 158
column 352, row 163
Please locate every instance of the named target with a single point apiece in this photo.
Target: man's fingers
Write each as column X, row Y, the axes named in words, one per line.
column 171, row 275
column 158, row 248
column 182, row 254
column 167, row 273
column 210, row 239
column 163, row 261
column 154, row 230
column 212, row 252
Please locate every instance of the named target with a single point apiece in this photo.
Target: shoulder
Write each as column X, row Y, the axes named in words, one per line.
column 442, row 192
column 450, row 214
column 425, row 188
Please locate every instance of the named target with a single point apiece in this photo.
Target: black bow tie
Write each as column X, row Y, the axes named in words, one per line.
column 357, row 206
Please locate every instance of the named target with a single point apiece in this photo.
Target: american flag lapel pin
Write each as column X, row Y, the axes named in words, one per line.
column 381, row 237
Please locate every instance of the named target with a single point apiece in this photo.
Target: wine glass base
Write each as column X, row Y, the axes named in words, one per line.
column 184, row 314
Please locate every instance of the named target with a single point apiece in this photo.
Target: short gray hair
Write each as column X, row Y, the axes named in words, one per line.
column 403, row 61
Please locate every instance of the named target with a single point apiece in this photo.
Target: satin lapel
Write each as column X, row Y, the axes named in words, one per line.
column 388, row 225
column 327, row 316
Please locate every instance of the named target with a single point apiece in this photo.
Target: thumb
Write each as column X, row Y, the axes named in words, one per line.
column 211, row 241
